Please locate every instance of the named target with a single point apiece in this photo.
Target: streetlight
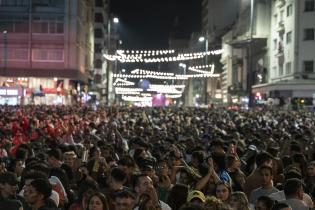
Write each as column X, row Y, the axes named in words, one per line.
column 115, row 21
column 5, row 39
column 206, row 41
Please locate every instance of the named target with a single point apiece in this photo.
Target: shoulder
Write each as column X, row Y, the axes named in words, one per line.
column 10, row 203
column 165, row 206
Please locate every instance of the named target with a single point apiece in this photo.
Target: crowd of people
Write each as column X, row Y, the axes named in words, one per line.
column 126, row 158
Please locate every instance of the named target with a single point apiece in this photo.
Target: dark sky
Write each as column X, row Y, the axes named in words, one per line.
column 146, row 24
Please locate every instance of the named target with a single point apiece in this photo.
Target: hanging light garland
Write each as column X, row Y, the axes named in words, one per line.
column 122, row 82
column 136, row 98
column 173, row 96
column 144, row 52
column 147, row 56
column 149, row 76
column 142, row 71
column 197, row 69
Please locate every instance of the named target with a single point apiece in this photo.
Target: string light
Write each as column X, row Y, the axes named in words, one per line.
column 122, row 82
column 136, row 98
column 146, row 57
column 196, row 69
column 142, row 71
column 173, row 96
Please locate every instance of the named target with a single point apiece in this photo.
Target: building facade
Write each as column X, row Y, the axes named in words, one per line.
column 292, row 45
column 99, row 75
column 245, row 52
column 218, row 16
column 46, row 48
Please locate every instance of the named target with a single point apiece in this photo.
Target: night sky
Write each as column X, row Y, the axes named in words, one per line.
column 147, row 24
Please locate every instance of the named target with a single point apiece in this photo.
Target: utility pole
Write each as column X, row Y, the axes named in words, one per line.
column 250, row 56
column 108, row 63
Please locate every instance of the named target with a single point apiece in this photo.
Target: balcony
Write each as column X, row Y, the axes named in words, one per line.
column 280, row 27
column 280, row 3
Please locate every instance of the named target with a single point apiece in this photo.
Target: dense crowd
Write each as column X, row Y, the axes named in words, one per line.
column 125, row 158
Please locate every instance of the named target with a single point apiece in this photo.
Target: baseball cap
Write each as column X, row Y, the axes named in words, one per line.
column 196, row 194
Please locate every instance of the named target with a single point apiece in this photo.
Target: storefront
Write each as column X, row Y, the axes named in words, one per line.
column 11, row 96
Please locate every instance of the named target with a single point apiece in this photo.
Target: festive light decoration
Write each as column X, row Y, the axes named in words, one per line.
column 136, row 98
column 175, row 77
column 153, row 56
column 196, row 69
column 144, row 52
column 166, row 86
column 142, row 71
column 122, row 82
column 173, row 96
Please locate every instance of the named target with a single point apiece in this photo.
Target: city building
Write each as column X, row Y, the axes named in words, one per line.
column 46, row 49
column 218, row 16
column 292, row 43
column 99, row 76
column 245, row 52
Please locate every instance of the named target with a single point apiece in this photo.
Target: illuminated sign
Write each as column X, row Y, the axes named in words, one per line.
column 11, row 91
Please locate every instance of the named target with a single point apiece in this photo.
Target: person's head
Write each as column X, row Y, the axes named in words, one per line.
column 149, row 170
column 8, row 184
column 196, row 197
column 217, row 146
column 38, row 192
column 29, row 176
column 86, row 189
column 177, row 196
column 127, row 164
column 124, row 199
column 213, row 203
column 197, row 157
column 295, row 148
column 266, row 176
column 219, row 161
column 22, row 153
column 239, row 201
column 95, row 152
column 17, row 166
column 54, row 157
column 192, row 206
column 281, row 206
column 293, row 188
column 117, row 178
column 223, row 191
column 97, row 201
column 175, row 159
column 264, row 159
column 264, row 203
column 142, row 183
column 311, row 169
column 69, row 158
